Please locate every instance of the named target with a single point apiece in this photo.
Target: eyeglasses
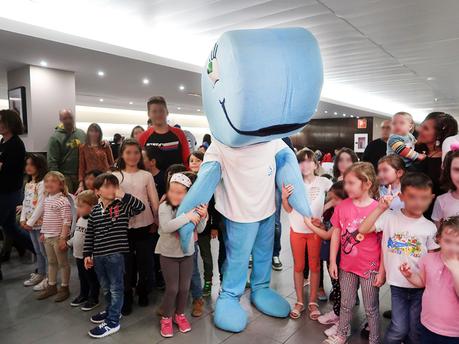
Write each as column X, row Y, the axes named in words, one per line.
column 385, row 127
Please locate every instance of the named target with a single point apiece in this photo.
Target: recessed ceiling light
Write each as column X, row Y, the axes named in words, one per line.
column 198, row 110
column 352, row 116
column 181, row 87
column 130, row 103
column 100, row 73
column 436, row 99
column 43, row 63
column 179, row 108
column 335, row 113
column 357, row 117
column 344, row 115
column 430, row 78
column 145, row 81
column 326, row 111
column 101, row 100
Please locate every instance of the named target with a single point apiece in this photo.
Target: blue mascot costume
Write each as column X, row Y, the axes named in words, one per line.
column 257, row 86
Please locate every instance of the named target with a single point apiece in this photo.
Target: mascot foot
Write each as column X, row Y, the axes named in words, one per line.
column 229, row 315
column 270, row 303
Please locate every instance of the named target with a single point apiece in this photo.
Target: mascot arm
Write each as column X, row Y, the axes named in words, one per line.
column 200, row 193
column 287, row 172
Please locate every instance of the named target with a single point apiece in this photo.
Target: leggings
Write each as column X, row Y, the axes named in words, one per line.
column 206, row 255
column 349, row 283
column 177, row 275
column 57, row 260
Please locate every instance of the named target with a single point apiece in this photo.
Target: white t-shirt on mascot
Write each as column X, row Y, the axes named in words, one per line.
column 247, row 191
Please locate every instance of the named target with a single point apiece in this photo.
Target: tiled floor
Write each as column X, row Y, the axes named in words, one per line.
column 25, row 320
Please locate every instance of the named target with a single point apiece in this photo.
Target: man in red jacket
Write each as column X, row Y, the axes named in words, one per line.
column 171, row 141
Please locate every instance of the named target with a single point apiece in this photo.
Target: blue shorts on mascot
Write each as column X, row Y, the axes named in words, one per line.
column 258, row 86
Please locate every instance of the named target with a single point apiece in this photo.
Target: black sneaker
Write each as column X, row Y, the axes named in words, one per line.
column 78, row 301
column 276, row 264
column 365, row 332
column 99, row 318
column 207, row 290
column 103, row 330
column 387, row 314
column 89, row 305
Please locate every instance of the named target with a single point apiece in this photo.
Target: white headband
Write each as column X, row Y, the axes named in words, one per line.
column 181, row 179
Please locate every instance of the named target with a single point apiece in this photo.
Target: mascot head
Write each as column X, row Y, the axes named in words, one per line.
column 259, row 85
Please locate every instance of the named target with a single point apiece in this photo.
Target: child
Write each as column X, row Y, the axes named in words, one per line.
column 105, row 243
column 447, row 205
column 36, row 168
column 391, row 169
column 407, row 236
column 177, row 267
column 151, row 159
column 89, row 285
column 55, row 229
column 343, row 159
column 136, row 181
column 360, row 254
column 302, row 237
column 88, row 181
column 210, row 232
column 439, row 275
column 401, row 141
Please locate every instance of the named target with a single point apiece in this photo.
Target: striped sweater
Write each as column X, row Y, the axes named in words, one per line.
column 403, row 146
column 107, row 228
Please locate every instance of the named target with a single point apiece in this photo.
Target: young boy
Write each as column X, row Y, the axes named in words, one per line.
column 89, row 285
column 106, row 241
column 407, row 236
column 151, row 159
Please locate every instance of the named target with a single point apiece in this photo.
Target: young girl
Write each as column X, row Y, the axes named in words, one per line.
column 302, row 237
column 36, row 168
column 391, row 169
column 343, row 159
column 138, row 182
column 55, row 229
column 89, row 179
column 439, row 275
column 177, row 267
column 447, row 205
column 360, row 254
column 401, row 140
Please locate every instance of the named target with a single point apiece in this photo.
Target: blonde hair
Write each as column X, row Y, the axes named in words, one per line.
column 408, row 117
column 88, row 197
column 365, row 172
column 60, row 177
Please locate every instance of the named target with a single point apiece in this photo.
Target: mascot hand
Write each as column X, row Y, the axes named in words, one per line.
column 186, row 235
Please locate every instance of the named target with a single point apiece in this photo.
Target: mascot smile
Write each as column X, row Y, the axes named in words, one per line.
column 258, row 86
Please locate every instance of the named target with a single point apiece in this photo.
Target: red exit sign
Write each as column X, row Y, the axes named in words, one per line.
column 361, row 123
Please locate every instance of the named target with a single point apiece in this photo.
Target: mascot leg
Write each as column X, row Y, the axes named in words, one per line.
column 263, row 297
column 239, row 240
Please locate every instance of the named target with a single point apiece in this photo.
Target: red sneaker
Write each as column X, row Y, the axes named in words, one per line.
column 182, row 323
column 166, row 327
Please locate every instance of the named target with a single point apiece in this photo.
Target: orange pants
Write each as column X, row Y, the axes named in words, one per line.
column 299, row 242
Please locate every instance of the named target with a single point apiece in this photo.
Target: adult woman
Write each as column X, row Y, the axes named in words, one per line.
column 12, row 163
column 433, row 130
column 94, row 154
column 136, row 132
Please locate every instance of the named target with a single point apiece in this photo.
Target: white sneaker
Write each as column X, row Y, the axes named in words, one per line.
column 42, row 285
column 33, row 280
column 335, row 340
column 328, row 318
column 331, row 331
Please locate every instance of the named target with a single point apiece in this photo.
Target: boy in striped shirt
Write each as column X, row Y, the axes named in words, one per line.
column 105, row 243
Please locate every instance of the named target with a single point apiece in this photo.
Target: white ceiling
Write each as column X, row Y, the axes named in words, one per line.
column 384, row 55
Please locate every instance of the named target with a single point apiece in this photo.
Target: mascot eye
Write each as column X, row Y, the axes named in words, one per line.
column 212, row 71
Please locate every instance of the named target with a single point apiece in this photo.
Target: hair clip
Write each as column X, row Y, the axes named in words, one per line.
column 454, row 147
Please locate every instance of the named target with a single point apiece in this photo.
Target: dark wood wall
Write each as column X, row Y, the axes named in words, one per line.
column 331, row 133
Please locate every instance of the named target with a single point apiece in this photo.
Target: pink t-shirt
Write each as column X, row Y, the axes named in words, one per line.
column 360, row 253
column 440, row 303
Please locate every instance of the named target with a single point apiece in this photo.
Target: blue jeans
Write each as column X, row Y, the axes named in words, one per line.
column 196, row 284
column 405, row 325
column 277, row 225
column 429, row 337
column 39, row 251
column 110, row 272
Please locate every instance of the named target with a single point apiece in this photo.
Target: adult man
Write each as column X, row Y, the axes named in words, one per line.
column 63, row 149
column 171, row 141
column 376, row 149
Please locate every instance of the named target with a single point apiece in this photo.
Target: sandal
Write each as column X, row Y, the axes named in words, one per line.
column 295, row 313
column 313, row 313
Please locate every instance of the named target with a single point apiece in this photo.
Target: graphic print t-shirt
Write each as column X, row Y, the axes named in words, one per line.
column 360, row 253
column 405, row 240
